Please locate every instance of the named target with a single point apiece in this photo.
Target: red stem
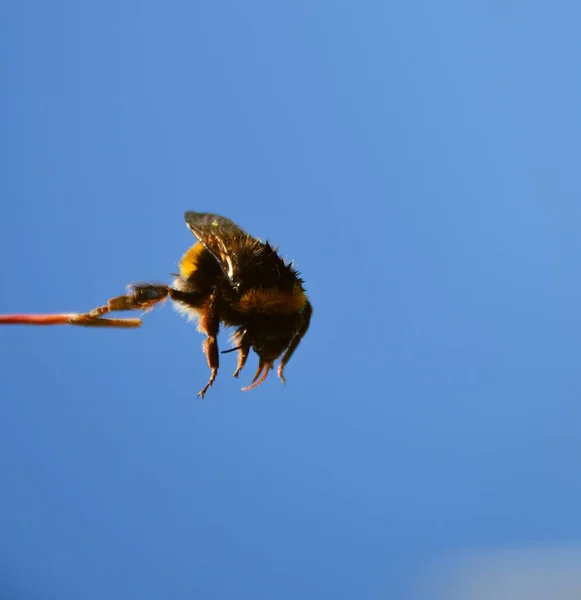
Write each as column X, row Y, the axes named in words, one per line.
column 82, row 320
column 62, row 319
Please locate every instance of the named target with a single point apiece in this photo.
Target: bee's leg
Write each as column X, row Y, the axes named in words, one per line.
column 141, row 296
column 307, row 313
column 243, row 351
column 210, row 324
column 240, row 338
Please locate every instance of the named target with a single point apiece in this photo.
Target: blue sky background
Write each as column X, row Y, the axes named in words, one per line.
column 420, row 162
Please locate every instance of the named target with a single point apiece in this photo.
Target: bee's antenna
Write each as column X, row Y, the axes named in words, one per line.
column 231, row 350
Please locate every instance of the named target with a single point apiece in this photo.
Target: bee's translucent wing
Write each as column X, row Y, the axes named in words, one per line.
column 220, row 236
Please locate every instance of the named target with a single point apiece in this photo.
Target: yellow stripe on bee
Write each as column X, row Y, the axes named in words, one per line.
column 272, row 301
column 189, row 262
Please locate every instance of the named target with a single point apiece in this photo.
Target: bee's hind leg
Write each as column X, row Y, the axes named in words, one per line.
column 140, row 296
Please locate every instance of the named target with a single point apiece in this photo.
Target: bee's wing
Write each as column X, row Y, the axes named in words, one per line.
column 220, row 236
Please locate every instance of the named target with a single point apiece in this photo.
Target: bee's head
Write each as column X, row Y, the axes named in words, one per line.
column 270, row 336
column 270, row 347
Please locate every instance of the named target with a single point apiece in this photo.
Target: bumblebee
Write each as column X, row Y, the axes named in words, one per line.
column 230, row 278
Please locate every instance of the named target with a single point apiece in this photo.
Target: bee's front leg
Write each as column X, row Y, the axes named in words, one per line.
column 305, row 322
column 243, row 352
column 243, row 347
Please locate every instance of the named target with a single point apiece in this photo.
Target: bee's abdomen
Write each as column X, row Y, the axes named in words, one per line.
column 199, row 273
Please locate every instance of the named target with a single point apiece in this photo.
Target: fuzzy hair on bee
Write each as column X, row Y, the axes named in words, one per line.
column 233, row 279
column 229, row 278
